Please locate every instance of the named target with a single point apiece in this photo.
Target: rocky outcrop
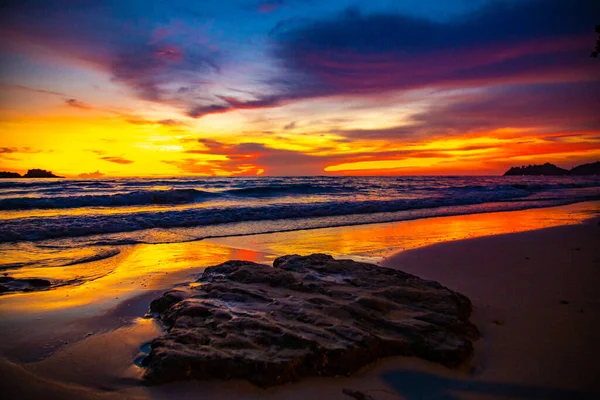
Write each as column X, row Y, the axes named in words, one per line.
column 551, row 170
column 545, row 169
column 304, row 316
column 587, row 169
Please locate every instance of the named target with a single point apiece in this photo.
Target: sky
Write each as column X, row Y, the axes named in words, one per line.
column 297, row 87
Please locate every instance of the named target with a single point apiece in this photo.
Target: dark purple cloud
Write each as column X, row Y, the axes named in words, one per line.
column 269, row 6
column 502, row 43
column 164, row 55
column 164, row 122
column 153, row 69
column 564, row 107
column 534, row 41
column 117, row 160
column 77, row 104
column 231, row 103
column 147, row 48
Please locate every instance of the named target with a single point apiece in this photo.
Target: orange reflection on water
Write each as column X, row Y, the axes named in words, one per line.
column 372, row 242
column 135, row 271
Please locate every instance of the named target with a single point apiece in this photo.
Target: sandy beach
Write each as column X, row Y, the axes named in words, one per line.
column 534, row 295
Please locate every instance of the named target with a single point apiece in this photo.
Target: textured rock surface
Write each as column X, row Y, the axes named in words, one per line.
column 304, row 316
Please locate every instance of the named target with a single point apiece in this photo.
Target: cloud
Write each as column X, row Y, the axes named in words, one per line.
column 174, row 58
column 248, row 159
column 116, row 160
column 290, row 126
column 164, row 122
column 155, row 57
column 169, row 122
column 14, row 150
column 24, row 88
column 77, row 104
column 14, row 153
column 91, row 175
column 267, row 7
column 359, row 54
column 563, row 107
column 154, row 70
column 231, row 103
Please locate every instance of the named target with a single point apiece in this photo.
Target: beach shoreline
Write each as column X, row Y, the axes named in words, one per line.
column 512, row 322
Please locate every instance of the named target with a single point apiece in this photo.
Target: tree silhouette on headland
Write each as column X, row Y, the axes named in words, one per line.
column 32, row 173
column 596, row 51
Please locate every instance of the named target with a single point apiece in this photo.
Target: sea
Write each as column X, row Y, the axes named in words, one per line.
column 43, row 221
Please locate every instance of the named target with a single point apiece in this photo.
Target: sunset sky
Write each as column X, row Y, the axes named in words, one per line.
column 297, row 87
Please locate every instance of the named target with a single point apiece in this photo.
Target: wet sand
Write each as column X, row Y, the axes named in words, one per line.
column 82, row 341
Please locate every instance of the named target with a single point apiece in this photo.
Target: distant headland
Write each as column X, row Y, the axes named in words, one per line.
column 32, row 173
column 553, row 170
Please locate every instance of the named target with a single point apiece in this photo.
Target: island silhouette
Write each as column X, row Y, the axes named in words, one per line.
column 32, row 173
column 552, row 170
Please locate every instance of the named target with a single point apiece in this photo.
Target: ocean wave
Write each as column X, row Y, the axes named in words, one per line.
column 173, row 196
column 58, row 259
column 40, row 228
column 285, row 190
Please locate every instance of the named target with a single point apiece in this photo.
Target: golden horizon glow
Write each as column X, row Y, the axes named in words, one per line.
column 176, row 96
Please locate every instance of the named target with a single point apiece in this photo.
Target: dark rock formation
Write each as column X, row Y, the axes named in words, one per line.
column 304, row 316
column 551, row 169
column 6, row 174
column 39, row 173
column 9, row 284
column 587, row 169
column 546, row 169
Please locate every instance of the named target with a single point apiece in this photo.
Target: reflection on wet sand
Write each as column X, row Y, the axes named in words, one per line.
column 373, row 242
column 136, row 269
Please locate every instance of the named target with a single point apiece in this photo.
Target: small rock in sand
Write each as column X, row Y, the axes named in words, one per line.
column 356, row 394
column 9, row 284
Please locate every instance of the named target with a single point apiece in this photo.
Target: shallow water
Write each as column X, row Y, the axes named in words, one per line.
column 49, row 226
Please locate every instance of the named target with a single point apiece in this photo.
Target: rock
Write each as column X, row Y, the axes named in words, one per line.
column 356, row 394
column 9, row 284
column 304, row 316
